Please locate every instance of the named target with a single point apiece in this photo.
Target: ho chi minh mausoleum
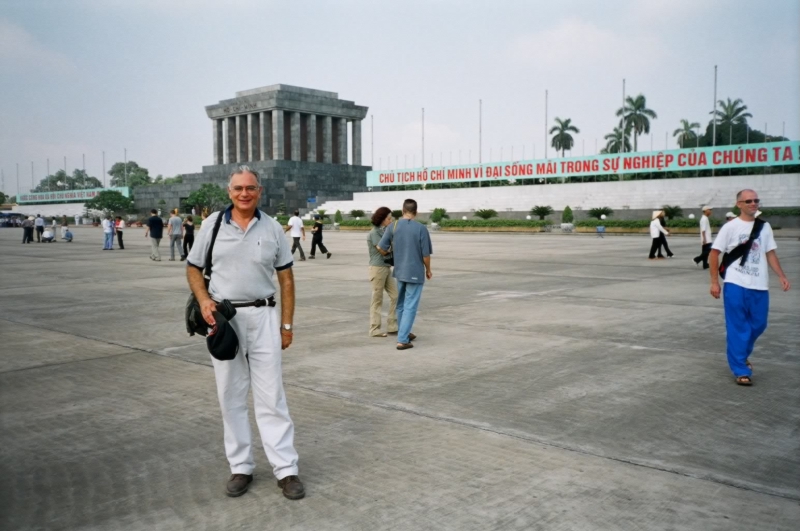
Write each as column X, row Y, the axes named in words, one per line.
column 295, row 138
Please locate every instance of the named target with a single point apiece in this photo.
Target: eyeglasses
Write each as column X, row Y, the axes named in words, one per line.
column 750, row 201
column 240, row 189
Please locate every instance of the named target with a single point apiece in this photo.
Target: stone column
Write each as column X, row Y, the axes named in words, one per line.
column 265, row 135
column 241, row 137
column 230, row 148
column 342, row 144
column 219, row 145
column 356, row 147
column 294, row 142
column 277, row 134
column 311, row 138
column 252, row 137
column 327, row 139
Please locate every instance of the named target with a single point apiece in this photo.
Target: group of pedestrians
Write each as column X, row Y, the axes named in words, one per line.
column 44, row 233
column 180, row 232
column 247, row 332
column 297, row 231
column 659, row 233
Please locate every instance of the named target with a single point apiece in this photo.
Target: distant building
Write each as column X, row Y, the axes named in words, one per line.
column 295, row 138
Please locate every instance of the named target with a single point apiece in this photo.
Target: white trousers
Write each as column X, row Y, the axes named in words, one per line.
column 259, row 337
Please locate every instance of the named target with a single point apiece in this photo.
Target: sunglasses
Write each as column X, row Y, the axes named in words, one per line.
column 750, row 201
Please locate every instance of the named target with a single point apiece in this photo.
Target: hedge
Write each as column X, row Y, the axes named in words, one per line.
column 356, row 223
column 496, row 222
column 781, row 211
column 680, row 223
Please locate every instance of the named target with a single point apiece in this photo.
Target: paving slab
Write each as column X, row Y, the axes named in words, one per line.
column 558, row 382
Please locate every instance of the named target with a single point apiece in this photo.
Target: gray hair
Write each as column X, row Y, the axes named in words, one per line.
column 242, row 169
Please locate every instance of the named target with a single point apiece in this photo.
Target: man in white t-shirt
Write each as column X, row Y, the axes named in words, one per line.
column 295, row 224
column 746, row 286
column 108, row 234
column 705, row 238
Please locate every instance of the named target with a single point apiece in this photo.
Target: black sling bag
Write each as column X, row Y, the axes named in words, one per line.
column 741, row 251
column 195, row 324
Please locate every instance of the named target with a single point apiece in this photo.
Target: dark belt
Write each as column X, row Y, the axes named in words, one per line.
column 257, row 303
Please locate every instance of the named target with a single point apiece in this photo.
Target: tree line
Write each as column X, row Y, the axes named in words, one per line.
column 634, row 120
column 122, row 174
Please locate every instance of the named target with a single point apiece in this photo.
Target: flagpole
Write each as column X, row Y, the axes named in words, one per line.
column 545, row 124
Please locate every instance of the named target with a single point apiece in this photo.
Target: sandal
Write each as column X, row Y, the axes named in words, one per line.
column 411, row 337
column 740, row 380
column 749, row 365
column 404, row 346
column 380, row 335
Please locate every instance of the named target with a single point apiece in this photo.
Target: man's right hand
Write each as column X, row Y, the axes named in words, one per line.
column 715, row 290
column 207, row 308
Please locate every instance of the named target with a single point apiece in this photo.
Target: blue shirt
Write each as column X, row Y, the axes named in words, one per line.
column 410, row 243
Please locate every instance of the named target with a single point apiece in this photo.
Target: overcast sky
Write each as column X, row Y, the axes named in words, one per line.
column 85, row 76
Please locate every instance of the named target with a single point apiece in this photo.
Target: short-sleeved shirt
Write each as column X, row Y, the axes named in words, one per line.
column 296, row 225
column 754, row 274
column 156, row 226
column 108, row 226
column 318, row 234
column 39, row 222
column 174, row 225
column 410, row 243
column 244, row 259
column 189, row 228
column 373, row 239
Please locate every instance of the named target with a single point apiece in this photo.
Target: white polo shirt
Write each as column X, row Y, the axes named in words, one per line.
column 244, row 259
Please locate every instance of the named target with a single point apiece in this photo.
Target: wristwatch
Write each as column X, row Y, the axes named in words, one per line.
column 287, row 327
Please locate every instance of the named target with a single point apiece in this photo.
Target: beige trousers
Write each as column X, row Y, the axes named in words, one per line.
column 381, row 279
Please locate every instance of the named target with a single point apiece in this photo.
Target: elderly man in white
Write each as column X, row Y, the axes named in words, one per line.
column 656, row 230
column 248, row 250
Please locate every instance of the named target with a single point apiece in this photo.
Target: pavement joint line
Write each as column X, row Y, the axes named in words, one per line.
column 532, row 439
column 400, row 409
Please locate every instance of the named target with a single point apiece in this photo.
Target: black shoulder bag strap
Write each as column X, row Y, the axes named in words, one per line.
column 207, row 269
column 741, row 251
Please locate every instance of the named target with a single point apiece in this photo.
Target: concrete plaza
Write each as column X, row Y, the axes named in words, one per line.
column 558, row 382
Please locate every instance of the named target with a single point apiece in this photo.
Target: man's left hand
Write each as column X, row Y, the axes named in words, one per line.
column 286, row 339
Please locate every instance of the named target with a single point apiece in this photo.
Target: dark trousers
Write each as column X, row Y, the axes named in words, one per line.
column 39, row 231
column 27, row 234
column 656, row 246
column 188, row 241
column 317, row 242
column 666, row 247
column 703, row 255
column 297, row 245
column 119, row 239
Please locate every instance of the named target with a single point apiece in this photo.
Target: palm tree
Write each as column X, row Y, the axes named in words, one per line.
column 637, row 116
column 731, row 112
column 614, row 140
column 562, row 139
column 685, row 132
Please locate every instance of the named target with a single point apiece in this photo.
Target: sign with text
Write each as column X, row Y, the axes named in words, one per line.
column 71, row 196
column 706, row 158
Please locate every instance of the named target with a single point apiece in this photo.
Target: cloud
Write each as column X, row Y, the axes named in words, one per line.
column 439, row 140
column 577, row 46
column 20, row 50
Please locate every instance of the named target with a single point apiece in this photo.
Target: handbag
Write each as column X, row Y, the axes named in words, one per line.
column 389, row 258
column 741, row 250
column 195, row 324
